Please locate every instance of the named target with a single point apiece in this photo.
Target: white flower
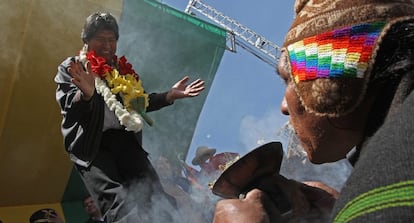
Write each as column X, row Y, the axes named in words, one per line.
column 131, row 120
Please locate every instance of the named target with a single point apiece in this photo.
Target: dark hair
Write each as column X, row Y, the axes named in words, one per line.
column 86, row 197
column 99, row 21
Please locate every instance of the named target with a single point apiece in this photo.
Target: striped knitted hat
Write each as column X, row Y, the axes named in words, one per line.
column 331, row 47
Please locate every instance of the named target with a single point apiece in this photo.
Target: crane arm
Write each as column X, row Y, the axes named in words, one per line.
column 256, row 44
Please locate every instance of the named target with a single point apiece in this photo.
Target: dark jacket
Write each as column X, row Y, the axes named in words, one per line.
column 381, row 186
column 83, row 120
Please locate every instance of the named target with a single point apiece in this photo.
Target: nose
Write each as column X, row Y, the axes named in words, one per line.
column 107, row 44
column 284, row 106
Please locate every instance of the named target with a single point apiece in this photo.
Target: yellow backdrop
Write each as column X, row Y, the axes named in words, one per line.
column 36, row 36
column 21, row 214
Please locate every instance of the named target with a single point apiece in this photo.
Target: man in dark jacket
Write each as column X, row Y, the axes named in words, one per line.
column 92, row 210
column 104, row 106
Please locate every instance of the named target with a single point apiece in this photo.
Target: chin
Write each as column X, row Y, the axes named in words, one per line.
column 108, row 60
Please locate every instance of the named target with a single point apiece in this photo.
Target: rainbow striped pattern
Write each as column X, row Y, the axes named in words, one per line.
column 342, row 52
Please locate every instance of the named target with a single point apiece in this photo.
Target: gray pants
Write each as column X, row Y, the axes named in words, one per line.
column 123, row 182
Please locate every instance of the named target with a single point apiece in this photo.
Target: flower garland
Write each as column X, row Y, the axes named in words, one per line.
column 122, row 80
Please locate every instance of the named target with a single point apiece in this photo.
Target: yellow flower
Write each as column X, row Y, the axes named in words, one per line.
column 127, row 86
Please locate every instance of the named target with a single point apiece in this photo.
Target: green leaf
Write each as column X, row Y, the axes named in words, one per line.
column 138, row 105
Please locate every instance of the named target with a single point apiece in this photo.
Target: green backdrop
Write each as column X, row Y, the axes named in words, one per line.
column 164, row 45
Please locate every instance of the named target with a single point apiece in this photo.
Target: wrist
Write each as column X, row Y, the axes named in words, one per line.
column 169, row 97
column 87, row 96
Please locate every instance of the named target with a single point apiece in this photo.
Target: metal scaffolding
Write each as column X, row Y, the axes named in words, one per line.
column 238, row 34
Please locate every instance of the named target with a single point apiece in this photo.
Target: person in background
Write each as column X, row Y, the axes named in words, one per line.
column 348, row 66
column 45, row 215
column 170, row 175
column 211, row 164
column 104, row 105
column 92, row 210
column 178, row 187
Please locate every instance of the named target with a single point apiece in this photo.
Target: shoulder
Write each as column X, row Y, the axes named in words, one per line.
column 65, row 62
column 62, row 75
column 382, row 173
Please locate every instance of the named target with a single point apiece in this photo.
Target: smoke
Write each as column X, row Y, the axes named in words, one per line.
column 164, row 46
column 195, row 202
column 256, row 131
column 295, row 165
column 147, row 202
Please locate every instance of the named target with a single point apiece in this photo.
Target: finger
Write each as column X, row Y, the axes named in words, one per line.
column 197, row 83
column 196, row 88
column 71, row 71
column 89, row 67
column 196, row 91
column 319, row 187
column 75, row 81
column 74, row 73
column 76, row 66
column 184, row 80
column 71, row 68
column 254, row 195
column 259, row 197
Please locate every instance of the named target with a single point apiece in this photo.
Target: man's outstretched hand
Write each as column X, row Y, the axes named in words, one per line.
column 182, row 90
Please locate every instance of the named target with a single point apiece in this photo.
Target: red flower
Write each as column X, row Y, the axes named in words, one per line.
column 126, row 68
column 98, row 64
